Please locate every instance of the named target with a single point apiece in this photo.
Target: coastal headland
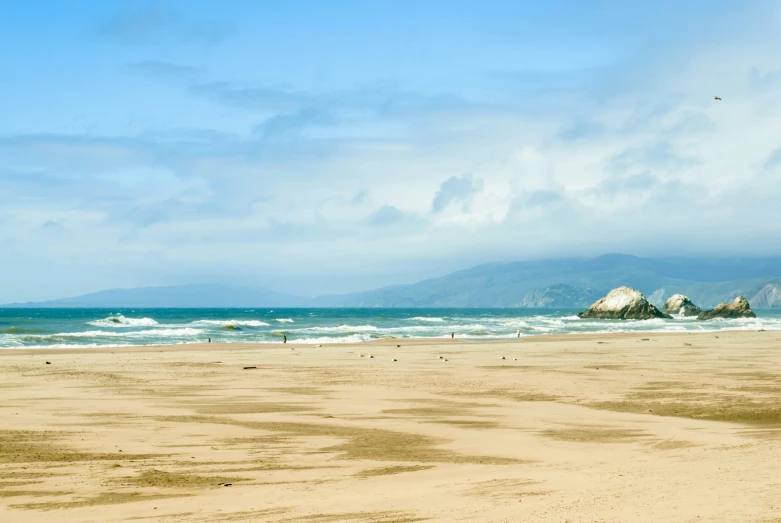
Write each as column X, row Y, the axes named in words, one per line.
column 625, row 427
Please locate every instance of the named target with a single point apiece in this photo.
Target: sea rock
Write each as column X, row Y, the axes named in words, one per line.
column 737, row 309
column 623, row 303
column 680, row 305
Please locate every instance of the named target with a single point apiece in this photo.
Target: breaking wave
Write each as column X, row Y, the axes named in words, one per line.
column 157, row 333
column 231, row 324
column 72, row 328
column 340, row 328
column 121, row 321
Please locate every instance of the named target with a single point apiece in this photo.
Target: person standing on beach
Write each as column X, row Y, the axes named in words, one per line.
column 519, row 333
column 210, row 340
column 452, row 335
column 284, row 338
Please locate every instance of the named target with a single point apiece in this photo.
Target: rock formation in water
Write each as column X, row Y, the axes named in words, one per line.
column 680, row 305
column 737, row 309
column 623, row 303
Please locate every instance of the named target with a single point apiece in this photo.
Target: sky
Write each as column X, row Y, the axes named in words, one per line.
column 329, row 147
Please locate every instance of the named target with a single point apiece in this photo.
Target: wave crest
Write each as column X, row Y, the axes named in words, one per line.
column 163, row 333
column 121, row 321
column 231, row 324
column 340, row 328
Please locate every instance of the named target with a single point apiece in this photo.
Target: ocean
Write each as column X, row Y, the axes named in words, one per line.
column 80, row 328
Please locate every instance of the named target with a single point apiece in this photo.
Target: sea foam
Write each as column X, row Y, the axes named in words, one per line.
column 352, row 338
column 121, row 321
column 55, row 329
column 231, row 323
column 156, row 333
column 340, row 328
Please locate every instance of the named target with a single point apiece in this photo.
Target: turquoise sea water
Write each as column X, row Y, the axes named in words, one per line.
column 102, row 327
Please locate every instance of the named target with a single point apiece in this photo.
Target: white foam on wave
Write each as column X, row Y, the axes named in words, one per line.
column 77, row 346
column 681, row 317
column 653, row 322
column 231, row 323
column 750, row 324
column 187, row 331
column 425, row 330
column 161, row 333
column 435, row 330
column 352, row 338
column 469, row 327
column 105, row 332
column 340, row 328
column 416, row 328
column 10, row 341
column 121, row 321
column 514, row 324
column 541, row 328
column 98, row 345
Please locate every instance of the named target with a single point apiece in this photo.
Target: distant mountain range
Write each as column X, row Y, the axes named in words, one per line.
column 558, row 283
column 179, row 296
column 575, row 282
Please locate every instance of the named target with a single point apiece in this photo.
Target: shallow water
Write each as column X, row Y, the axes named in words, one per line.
column 123, row 327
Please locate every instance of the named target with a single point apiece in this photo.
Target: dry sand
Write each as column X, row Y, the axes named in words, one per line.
column 683, row 427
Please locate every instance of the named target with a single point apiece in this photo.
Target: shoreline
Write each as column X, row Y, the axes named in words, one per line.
column 85, row 330
column 390, row 342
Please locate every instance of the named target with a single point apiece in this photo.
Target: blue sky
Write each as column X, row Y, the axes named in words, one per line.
column 320, row 147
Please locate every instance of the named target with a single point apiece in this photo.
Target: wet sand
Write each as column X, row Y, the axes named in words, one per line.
column 640, row 427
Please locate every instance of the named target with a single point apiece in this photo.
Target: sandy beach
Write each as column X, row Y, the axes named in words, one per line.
column 662, row 427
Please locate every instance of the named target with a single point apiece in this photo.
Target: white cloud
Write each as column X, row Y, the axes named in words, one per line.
column 640, row 159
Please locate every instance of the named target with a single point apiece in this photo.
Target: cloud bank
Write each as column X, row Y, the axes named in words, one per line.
column 255, row 175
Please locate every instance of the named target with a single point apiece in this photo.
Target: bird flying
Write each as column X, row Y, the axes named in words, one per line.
column 717, row 98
